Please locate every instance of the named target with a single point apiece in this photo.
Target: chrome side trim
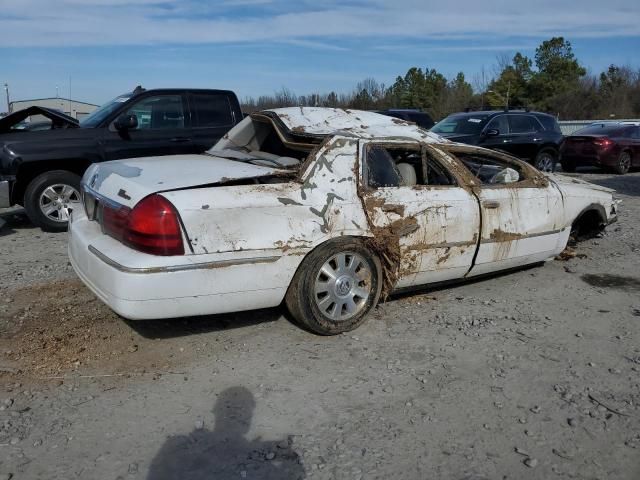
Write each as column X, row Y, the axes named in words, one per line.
column 180, row 268
column 523, row 237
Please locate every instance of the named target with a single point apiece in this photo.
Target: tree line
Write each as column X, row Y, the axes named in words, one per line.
column 554, row 81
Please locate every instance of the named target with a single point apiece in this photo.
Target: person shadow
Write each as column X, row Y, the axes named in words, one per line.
column 225, row 452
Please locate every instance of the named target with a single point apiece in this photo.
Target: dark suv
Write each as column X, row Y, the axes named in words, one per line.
column 531, row 136
column 422, row 119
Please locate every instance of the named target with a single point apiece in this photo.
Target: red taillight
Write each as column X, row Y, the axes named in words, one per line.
column 151, row 227
column 602, row 142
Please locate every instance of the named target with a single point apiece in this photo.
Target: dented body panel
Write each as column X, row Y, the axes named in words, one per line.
column 248, row 227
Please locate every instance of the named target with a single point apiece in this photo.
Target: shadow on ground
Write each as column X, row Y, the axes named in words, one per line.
column 12, row 220
column 225, row 452
column 181, row 327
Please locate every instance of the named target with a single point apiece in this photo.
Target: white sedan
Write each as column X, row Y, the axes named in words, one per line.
column 326, row 209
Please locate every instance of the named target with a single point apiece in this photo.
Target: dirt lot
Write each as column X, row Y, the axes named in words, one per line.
column 534, row 374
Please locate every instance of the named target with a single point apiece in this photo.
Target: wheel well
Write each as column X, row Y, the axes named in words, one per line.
column 549, row 148
column 589, row 223
column 29, row 171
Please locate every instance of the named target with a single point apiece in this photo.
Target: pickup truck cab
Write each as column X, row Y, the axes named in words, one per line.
column 41, row 170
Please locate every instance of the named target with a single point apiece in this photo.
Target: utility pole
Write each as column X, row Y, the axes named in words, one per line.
column 6, row 90
column 508, row 91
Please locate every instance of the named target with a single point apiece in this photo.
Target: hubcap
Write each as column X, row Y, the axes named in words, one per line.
column 546, row 163
column 58, row 201
column 343, row 286
column 625, row 161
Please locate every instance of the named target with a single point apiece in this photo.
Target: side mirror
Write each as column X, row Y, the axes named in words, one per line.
column 493, row 132
column 126, row 122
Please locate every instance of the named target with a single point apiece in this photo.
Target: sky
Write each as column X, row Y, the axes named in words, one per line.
column 97, row 49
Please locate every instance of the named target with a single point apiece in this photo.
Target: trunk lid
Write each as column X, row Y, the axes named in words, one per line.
column 128, row 181
column 565, row 180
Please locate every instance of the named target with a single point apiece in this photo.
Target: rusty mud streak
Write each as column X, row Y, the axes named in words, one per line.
column 386, row 242
column 324, row 226
column 404, row 226
column 390, row 208
column 444, row 257
column 499, row 236
column 287, row 201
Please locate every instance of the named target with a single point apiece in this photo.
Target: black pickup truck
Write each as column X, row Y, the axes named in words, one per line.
column 41, row 170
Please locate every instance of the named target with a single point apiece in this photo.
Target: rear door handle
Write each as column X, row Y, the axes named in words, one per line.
column 491, row 204
column 180, row 139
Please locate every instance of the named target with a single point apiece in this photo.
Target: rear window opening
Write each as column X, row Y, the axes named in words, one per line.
column 258, row 141
column 599, row 129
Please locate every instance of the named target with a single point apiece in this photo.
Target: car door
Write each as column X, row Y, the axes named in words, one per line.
column 500, row 141
column 433, row 219
column 522, row 212
column 163, row 129
column 525, row 136
column 212, row 116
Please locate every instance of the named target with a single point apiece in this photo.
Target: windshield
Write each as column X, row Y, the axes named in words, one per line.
column 599, row 129
column 461, row 124
column 97, row 116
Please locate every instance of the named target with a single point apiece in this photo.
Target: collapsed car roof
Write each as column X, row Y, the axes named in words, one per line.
column 58, row 119
column 322, row 121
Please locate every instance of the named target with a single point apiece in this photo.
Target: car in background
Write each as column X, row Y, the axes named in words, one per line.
column 531, row 136
column 41, row 163
column 422, row 119
column 611, row 145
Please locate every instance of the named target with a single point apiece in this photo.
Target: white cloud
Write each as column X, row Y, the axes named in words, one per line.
column 316, row 25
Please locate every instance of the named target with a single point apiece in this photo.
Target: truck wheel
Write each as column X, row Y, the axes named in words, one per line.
column 623, row 164
column 51, row 197
column 545, row 161
column 335, row 287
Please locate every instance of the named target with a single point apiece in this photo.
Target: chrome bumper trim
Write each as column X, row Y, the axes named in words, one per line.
column 180, row 268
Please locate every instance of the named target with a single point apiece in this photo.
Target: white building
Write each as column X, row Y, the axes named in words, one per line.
column 73, row 108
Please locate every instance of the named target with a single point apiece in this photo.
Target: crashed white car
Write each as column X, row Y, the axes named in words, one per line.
column 326, row 209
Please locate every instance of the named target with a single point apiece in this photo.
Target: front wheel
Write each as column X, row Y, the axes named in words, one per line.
column 545, row 161
column 51, row 197
column 335, row 288
column 623, row 164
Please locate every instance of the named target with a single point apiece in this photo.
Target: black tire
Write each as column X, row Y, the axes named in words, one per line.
column 546, row 161
column 568, row 166
column 623, row 164
column 36, row 191
column 302, row 300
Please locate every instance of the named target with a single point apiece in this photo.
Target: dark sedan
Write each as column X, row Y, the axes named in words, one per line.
column 610, row 145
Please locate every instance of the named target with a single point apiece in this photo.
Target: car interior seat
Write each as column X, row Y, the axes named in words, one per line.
column 408, row 174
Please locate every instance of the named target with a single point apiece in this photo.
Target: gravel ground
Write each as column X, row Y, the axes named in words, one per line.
column 530, row 375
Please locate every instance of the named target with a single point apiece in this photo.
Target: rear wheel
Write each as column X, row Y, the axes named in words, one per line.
column 335, row 288
column 545, row 161
column 51, row 197
column 623, row 164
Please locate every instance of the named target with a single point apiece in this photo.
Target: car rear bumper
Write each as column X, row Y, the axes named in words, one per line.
column 170, row 287
column 593, row 160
